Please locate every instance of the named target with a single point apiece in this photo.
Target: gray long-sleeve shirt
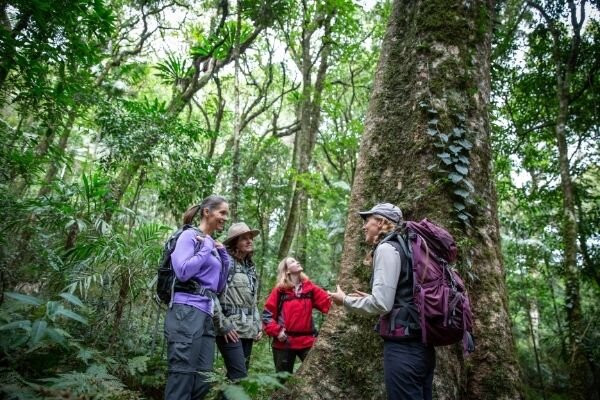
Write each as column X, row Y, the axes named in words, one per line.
column 386, row 272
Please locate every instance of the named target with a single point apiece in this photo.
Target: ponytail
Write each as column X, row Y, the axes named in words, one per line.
column 211, row 202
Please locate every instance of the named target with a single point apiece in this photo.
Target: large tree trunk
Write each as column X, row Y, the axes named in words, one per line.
column 435, row 53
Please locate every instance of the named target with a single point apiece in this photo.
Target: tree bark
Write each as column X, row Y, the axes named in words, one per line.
column 435, row 52
column 235, row 166
column 62, row 145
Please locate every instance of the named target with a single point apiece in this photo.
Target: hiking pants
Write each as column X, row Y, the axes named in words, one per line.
column 284, row 359
column 236, row 356
column 408, row 370
column 190, row 339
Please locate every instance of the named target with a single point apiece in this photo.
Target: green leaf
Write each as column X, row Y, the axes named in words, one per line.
column 462, row 193
column 71, row 298
column 445, row 157
column 457, row 132
column 57, row 335
column 454, row 149
column 467, row 183
column 72, row 315
column 465, row 143
column 463, row 217
column 454, row 177
column 51, row 308
column 464, row 160
column 432, row 132
column 463, row 169
column 444, row 137
column 235, row 392
column 433, row 121
column 24, row 324
column 38, row 330
column 24, row 298
column 459, row 206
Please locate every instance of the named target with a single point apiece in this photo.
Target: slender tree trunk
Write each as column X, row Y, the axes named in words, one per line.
column 434, row 52
column 235, row 167
column 302, row 238
column 62, row 145
column 559, row 326
column 579, row 368
column 532, row 312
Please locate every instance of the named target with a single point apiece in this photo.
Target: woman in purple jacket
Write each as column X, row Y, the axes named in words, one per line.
column 189, row 326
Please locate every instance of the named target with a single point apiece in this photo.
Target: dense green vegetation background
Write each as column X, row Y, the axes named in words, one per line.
column 116, row 115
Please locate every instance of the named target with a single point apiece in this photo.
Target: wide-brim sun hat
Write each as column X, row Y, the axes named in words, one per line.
column 238, row 229
column 386, row 210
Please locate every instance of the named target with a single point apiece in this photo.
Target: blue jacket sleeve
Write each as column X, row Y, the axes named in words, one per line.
column 186, row 263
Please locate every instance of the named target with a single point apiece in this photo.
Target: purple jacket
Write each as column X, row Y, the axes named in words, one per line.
column 203, row 266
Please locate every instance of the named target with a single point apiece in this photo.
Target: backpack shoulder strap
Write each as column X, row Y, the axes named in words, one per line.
column 281, row 297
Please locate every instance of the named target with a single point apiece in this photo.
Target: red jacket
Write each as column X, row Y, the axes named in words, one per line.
column 294, row 314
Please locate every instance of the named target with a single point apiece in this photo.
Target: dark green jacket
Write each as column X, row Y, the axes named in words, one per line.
column 237, row 304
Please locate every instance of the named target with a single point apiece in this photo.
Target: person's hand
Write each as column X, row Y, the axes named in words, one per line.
column 199, row 238
column 259, row 336
column 282, row 337
column 219, row 245
column 232, row 336
column 338, row 296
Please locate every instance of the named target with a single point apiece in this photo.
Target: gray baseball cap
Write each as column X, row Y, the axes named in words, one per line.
column 385, row 210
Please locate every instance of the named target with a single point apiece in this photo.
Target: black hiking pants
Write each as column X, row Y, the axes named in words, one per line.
column 284, row 359
column 236, row 356
column 408, row 370
column 190, row 339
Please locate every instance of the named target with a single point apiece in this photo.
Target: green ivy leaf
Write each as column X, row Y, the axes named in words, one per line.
column 462, row 193
column 454, row 149
column 457, row 132
column 465, row 143
column 463, row 169
column 467, row 183
column 444, row 137
column 433, row 121
column 454, row 177
column 432, row 132
column 464, row 160
column 445, row 158
column 459, row 206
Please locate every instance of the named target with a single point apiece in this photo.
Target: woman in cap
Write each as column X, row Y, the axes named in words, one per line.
column 238, row 323
column 287, row 315
column 189, row 328
column 408, row 364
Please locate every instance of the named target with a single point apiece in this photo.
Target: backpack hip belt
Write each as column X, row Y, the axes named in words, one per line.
column 301, row 333
column 231, row 309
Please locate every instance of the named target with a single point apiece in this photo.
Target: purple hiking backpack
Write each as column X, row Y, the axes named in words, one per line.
column 439, row 294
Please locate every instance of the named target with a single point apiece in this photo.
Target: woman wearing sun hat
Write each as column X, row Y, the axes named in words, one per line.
column 238, row 322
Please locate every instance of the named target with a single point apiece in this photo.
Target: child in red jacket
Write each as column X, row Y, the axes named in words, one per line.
column 287, row 315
